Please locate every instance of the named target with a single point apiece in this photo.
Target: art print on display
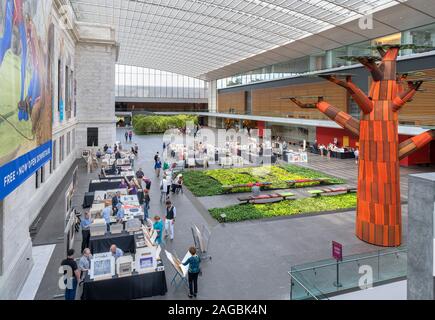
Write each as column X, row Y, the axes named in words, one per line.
column 146, row 262
column 25, row 90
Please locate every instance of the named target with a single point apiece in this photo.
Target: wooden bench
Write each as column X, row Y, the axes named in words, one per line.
column 326, row 191
column 292, row 183
column 228, row 188
column 275, row 197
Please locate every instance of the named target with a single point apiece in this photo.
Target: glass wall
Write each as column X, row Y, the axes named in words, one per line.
column 139, row 82
column 422, row 36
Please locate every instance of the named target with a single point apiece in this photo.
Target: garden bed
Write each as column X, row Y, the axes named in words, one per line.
column 211, row 182
column 243, row 212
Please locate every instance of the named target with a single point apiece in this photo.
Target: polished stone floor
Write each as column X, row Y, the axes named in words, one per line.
column 250, row 259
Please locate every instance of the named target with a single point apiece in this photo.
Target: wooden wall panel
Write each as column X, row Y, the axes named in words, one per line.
column 232, row 100
column 267, row 102
column 421, row 110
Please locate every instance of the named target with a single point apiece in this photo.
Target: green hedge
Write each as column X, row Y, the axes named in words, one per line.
column 144, row 124
column 210, row 182
column 285, row 208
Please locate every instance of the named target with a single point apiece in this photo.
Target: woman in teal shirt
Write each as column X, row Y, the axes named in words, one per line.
column 158, row 226
column 194, row 270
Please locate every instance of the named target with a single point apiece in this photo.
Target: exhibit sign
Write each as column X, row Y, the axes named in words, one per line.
column 337, row 251
column 25, row 90
column 14, row 173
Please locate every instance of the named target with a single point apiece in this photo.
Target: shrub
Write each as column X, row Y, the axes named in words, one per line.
column 285, row 208
column 144, row 124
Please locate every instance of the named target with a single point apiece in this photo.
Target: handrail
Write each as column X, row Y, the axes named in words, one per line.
column 305, row 288
column 350, row 260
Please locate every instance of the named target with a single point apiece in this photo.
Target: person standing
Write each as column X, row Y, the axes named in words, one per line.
column 130, row 135
column 356, row 153
column 156, row 157
column 71, row 275
column 158, row 167
column 158, row 227
column 193, row 262
column 85, row 261
column 146, row 205
column 163, row 189
column 86, row 233
column 136, row 149
column 126, row 136
column 171, row 213
column 132, row 157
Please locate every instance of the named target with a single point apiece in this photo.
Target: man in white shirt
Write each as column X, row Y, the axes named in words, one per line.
column 163, row 189
column 170, row 215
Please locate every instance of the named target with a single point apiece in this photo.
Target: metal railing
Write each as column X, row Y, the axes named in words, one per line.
column 322, row 279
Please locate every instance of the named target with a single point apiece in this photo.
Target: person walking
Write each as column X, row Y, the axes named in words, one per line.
column 132, row 157
column 163, row 189
column 356, row 153
column 156, row 157
column 126, row 136
column 158, row 226
column 130, row 135
column 86, row 233
column 193, row 262
column 146, row 206
column 158, row 167
column 171, row 213
column 71, row 275
column 136, row 149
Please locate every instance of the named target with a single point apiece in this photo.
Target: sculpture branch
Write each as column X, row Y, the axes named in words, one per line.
column 363, row 101
column 342, row 118
column 413, row 144
column 407, row 95
column 372, row 67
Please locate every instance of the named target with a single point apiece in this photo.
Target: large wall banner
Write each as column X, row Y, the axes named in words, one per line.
column 25, row 90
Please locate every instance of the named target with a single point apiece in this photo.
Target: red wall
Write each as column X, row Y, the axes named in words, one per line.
column 261, row 125
column 326, row 136
column 422, row 156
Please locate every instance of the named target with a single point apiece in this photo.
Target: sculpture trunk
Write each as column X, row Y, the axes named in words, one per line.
column 379, row 217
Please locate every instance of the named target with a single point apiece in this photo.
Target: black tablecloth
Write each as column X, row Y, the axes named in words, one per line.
column 101, row 244
column 88, row 200
column 135, row 286
column 342, row 155
column 103, row 185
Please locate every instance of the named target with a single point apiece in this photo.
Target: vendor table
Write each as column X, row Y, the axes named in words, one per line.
column 104, row 185
column 124, row 241
column 88, row 200
column 342, row 155
column 131, row 287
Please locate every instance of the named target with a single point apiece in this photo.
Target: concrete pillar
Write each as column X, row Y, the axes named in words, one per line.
column 212, row 96
column 421, row 218
column 95, row 59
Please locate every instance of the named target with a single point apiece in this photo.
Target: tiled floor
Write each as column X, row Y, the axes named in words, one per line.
column 250, row 259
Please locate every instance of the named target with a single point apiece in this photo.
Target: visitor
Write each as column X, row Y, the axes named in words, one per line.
column 106, row 213
column 169, row 183
column 146, row 206
column 123, row 184
column 140, row 174
column 126, row 136
column 132, row 189
column 171, row 213
column 99, row 154
column 132, row 157
column 158, row 167
column 130, row 135
column 105, row 148
column 86, row 234
column 193, row 271
column 156, row 157
column 158, row 227
column 163, row 189
column 118, row 155
column 120, row 213
column 85, row 262
column 71, row 275
column 136, row 149
column 109, row 150
column 147, row 182
column 256, row 189
column 356, row 153
column 115, row 251
column 115, row 148
column 115, row 200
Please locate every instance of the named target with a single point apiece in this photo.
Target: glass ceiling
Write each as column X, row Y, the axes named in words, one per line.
column 194, row 37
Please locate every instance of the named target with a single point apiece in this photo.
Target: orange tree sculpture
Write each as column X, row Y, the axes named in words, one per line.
column 379, row 218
